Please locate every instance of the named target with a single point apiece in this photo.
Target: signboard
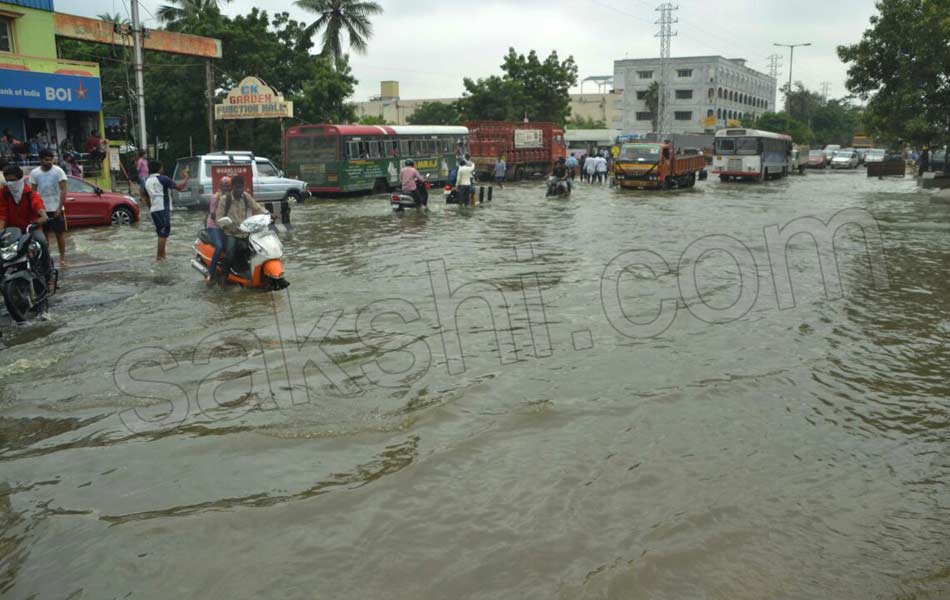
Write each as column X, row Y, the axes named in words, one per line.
column 220, row 171
column 103, row 32
column 253, row 99
column 529, row 138
column 49, row 91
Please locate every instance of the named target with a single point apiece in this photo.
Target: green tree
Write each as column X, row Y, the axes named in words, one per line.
column 435, row 113
column 116, row 18
column 529, row 88
column 586, row 123
column 336, row 17
column 652, row 101
column 179, row 10
column 900, row 67
column 781, row 123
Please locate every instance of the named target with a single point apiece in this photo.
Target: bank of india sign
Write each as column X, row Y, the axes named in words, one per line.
column 253, row 99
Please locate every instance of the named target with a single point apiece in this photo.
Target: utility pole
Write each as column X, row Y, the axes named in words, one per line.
column 137, row 31
column 666, row 34
column 209, row 78
column 791, row 61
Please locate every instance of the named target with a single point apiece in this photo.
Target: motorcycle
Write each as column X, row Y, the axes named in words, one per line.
column 400, row 201
column 26, row 284
column 451, row 195
column 557, row 187
column 263, row 269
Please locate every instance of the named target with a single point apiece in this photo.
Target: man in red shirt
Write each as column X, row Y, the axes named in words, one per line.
column 20, row 206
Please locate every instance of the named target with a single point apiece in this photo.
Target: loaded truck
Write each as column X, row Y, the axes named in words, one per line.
column 658, row 166
column 528, row 148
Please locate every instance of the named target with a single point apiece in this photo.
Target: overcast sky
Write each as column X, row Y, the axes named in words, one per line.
column 429, row 45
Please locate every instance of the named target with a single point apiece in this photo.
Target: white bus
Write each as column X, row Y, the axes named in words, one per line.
column 751, row 154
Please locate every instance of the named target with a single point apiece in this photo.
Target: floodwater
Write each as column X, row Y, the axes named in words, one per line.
column 621, row 395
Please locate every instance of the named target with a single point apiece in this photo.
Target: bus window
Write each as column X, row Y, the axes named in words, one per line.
column 747, row 146
column 725, row 146
column 324, row 148
column 352, row 149
column 299, row 147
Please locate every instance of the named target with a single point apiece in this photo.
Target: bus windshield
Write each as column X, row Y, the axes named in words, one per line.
column 737, row 145
column 649, row 153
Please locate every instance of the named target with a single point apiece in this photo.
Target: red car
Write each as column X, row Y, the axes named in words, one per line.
column 88, row 205
column 817, row 159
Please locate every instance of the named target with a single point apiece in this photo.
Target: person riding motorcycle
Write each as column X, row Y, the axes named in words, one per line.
column 231, row 211
column 561, row 171
column 21, row 207
column 413, row 182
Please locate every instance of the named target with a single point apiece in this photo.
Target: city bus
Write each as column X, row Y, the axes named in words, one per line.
column 367, row 158
column 751, row 154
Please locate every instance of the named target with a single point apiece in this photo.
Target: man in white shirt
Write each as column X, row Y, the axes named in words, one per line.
column 49, row 181
column 463, row 181
column 601, row 169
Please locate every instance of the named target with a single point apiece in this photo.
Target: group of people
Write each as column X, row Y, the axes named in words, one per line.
column 593, row 168
column 462, row 176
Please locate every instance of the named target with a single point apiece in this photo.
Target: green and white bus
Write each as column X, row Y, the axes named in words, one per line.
column 367, row 158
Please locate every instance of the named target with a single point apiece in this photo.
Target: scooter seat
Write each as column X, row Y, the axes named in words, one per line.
column 203, row 236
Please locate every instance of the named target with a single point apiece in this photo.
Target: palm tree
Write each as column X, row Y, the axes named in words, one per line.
column 652, row 101
column 116, row 19
column 339, row 16
column 179, row 10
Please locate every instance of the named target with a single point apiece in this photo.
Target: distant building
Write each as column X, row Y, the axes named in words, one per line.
column 705, row 92
column 395, row 110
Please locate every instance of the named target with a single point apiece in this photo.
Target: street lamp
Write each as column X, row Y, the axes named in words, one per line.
column 791, row 59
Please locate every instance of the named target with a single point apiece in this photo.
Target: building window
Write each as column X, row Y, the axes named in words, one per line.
column 645, row 74
column 642, row 95
column 644, row 116
column 684, row 94
column 6, row 35
column 684, row 72
column 718, row 113
column 709, row 112
column 683, row 115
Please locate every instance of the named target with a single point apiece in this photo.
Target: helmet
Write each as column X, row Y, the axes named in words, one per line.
column 225, row 182
column 410, row 163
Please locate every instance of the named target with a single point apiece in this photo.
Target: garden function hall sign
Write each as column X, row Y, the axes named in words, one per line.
column 253, row 99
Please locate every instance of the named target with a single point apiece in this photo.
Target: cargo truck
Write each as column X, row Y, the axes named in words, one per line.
column 647, row 165
column 528, row 148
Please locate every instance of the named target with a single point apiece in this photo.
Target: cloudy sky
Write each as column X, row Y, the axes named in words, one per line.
column 429, row 45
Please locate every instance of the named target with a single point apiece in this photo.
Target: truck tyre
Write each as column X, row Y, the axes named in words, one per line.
column 692, row 180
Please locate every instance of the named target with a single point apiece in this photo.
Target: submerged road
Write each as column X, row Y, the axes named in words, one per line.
column 699, row 394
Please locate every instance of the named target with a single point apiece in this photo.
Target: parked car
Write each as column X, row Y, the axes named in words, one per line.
column 862, row 154
column 270, row 185
column 87, row 204
column 845, row 159
column 875, row 155
column 831, row 150
column 817, row 159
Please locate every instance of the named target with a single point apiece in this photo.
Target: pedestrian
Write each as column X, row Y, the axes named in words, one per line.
column 141, row 170
column 601, row 170
column 159, row 201
column 580, row 166
column 466, row 176
column 501, row 169
column 924, row 165
column 73, row 167
column 571, row 166
column 590, row 172
column 214, row 232
column 49, row 181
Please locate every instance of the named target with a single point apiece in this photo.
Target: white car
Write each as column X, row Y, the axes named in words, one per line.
column 845, row 160
column 831, row 150
column 875, row 155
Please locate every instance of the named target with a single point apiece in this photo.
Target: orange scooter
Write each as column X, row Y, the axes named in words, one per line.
column 265, row 269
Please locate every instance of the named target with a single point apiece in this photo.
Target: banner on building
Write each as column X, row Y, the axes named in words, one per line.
column 253, row 99
column 49, row 91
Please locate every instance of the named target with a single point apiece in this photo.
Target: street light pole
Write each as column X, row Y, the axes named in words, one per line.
column 791, row 60
column 137, row 30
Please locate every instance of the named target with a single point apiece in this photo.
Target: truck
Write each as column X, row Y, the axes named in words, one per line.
column 659, row 166
column 528, row 148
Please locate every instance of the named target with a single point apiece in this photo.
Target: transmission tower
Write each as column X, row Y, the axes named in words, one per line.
column 825, row 90
column 775, row 67
column 666, row 34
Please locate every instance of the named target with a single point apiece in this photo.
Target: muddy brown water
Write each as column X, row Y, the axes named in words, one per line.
column 623, row 395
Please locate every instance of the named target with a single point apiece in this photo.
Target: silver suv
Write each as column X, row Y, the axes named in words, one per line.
column 270, row 185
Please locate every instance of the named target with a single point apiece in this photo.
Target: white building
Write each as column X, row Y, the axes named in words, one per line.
column 700, row 88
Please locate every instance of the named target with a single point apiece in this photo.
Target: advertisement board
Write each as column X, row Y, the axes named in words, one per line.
column 253, row 99
column 220, row 171
column 49, row 91
column 529, row 138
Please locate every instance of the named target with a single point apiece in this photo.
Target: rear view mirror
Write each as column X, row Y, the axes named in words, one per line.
column 98, row 191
